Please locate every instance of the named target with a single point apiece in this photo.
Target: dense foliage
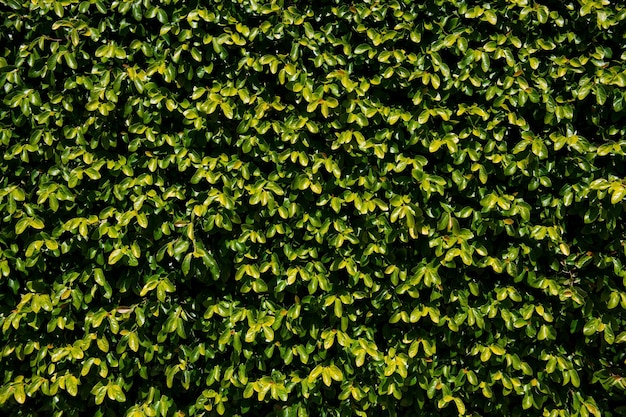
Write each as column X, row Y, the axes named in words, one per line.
column 325, row 208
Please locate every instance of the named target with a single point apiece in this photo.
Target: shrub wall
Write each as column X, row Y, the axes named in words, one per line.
column 286, row 208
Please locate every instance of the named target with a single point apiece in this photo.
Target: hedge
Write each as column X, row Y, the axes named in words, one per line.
column 289, row 208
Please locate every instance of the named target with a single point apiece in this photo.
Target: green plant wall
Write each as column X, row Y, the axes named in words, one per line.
column 328, row 208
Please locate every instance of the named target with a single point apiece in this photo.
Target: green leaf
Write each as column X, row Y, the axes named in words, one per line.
column 600, row 94
column 618, row 101
column 103, row 344
column 335, row 373
column 460, row 406
column 301, row 183
column 18, row 394
column 114, row 392
column 71, row 385
column 21, row 226
column 186, row 265
column 133, row 341
column 70, row 59
column 591, row 327
column 259, row 286
column 618, row 195
column 492, row 18
column 574, row 378
column 485, row 62
column 227, row 109
column 115, row 256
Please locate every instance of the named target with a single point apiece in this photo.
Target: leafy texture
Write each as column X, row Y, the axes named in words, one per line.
column 257, row 208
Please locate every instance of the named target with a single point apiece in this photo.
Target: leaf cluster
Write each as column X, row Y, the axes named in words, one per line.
column 278, row 208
